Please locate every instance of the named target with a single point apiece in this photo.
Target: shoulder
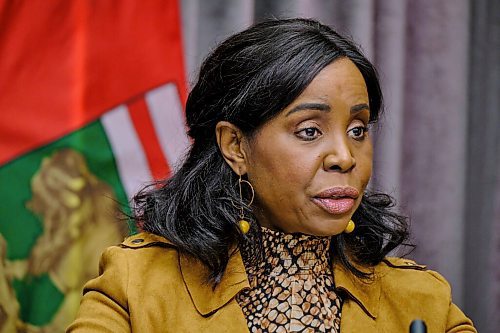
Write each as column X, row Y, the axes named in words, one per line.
column 144, row 240
column 402, row 290
column 405, row 276
column 140, row 252
column 138, row 257
column 421, row 293
column 407, row 268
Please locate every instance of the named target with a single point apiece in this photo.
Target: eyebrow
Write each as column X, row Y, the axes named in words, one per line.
column 309, row 106
column 325, row 107
column 360, row 107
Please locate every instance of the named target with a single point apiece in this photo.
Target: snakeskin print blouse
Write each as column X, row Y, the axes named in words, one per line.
column 292, row 288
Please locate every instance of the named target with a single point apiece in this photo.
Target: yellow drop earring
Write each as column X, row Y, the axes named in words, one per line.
column 350, row 227
column 243, row 224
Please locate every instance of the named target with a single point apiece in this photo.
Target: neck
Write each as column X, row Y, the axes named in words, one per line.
column 296, row 253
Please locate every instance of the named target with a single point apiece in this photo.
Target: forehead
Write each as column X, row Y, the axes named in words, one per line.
column 340, row 80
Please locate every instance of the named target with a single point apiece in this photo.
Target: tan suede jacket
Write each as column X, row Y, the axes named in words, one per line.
column 145, row 285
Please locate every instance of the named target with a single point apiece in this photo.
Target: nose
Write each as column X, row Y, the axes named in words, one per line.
column 339, row 157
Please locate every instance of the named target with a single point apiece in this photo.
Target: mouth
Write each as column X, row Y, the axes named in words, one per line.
column 337, row 200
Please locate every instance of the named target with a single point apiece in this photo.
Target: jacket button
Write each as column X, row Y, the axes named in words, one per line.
column 137, row 241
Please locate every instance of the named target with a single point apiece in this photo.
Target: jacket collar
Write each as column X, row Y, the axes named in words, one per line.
column 207, row 299
column 366, row 293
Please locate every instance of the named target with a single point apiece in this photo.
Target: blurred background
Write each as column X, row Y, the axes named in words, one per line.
column 91, row 107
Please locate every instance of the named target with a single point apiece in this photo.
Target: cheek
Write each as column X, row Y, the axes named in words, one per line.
column 278, row 171
column 276, row 167
column 364, row 163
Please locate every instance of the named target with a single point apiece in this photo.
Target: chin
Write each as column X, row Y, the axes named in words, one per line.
column 329, row 229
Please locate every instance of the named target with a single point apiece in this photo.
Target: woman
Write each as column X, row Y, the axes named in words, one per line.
column 268, row 226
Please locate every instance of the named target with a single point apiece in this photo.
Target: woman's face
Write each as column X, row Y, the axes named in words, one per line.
column 311, row 163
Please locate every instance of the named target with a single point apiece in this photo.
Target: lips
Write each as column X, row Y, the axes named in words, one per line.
column 337, row 200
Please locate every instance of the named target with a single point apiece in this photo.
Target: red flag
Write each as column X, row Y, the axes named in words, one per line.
column 64, row 63
column 91, row 96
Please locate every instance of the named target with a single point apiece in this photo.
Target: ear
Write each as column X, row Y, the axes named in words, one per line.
column 230, row 140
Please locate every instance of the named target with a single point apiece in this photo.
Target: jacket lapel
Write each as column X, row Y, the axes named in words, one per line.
column 361, row 307
column 365, row 293
column 206, row 298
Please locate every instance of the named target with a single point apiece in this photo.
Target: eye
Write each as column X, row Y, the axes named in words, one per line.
column 309, row 133
column 358, row 132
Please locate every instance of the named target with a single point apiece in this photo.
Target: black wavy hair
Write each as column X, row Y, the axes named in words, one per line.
column 247, row 80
